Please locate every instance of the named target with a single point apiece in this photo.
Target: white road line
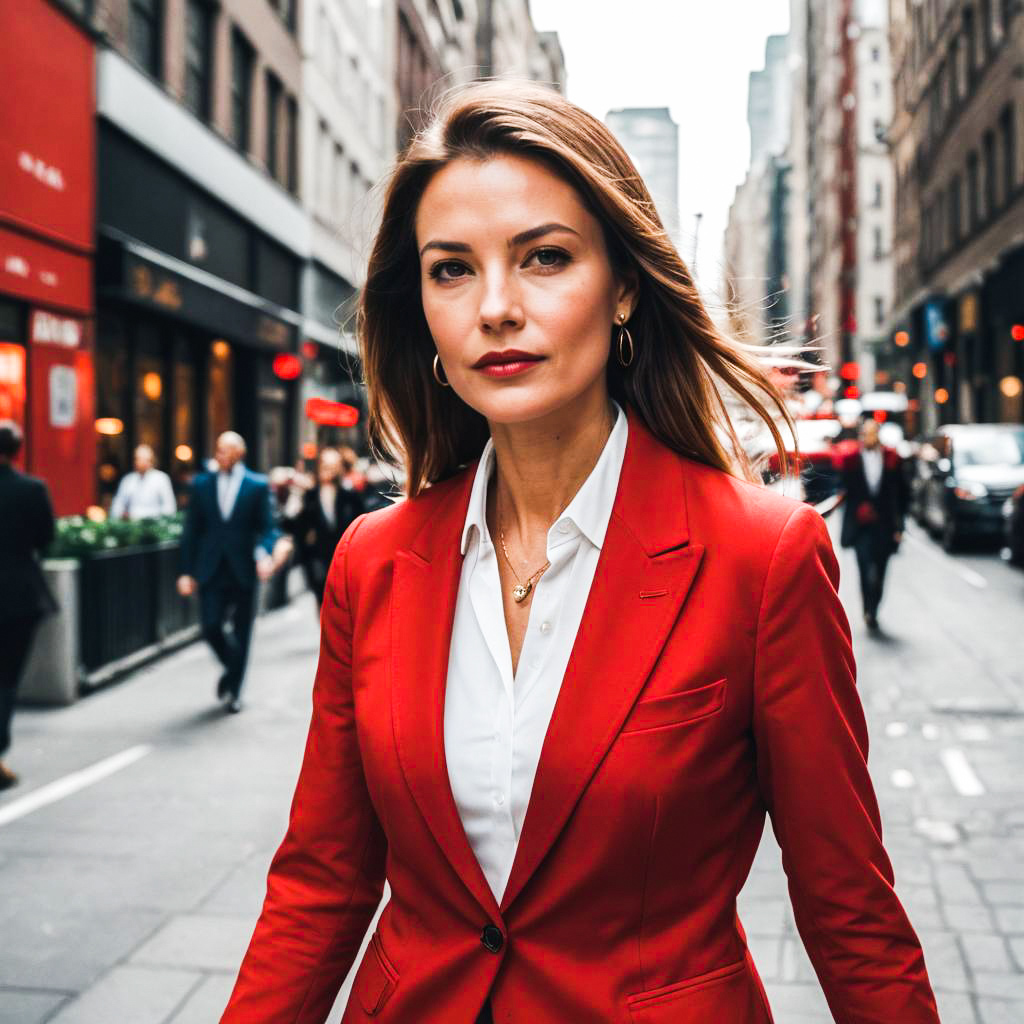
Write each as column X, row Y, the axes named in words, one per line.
column 975, row 579
column 72, row 783
column 961, row 774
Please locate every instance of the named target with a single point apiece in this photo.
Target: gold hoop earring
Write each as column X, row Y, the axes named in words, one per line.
column 437, row 372
column 626, row 350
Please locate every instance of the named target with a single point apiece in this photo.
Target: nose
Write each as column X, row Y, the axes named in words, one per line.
column 500, row 306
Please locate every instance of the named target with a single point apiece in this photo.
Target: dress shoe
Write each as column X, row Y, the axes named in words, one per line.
column 224, row 686
column 871, row 620
column 234, row 705
column 7, row 777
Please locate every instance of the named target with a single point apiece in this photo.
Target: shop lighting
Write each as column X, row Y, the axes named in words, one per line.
column 287, row 366
column 183, row 453
column 920, row 370
column 941, row 396
column 152, row 386
column 1011, row 387
column 901, row 339
column 221, row 349
column 1017, row 332
column 110, row 426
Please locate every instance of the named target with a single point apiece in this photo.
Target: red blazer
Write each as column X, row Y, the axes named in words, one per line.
column 712, row 681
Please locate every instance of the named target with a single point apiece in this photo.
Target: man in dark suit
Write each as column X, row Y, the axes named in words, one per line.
column 27, row 519
column 319, row 515
column 875, row 500
column 227, row 543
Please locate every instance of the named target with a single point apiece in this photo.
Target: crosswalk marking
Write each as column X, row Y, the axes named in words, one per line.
column 961, row 774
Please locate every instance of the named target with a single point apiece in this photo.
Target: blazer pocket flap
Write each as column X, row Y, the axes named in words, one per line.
column 676, row 708
column 375, row 979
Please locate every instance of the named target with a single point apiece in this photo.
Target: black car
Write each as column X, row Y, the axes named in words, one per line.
column 964, row 475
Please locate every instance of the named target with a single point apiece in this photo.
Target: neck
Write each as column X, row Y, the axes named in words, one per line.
column 542, row 464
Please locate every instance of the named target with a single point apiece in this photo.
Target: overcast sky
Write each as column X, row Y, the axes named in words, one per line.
column 692, row 56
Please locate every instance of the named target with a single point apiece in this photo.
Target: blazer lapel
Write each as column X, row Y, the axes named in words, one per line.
column 644, row 573
column 426, row 584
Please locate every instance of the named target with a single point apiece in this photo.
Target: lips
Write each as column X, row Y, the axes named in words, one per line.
column 506, row 357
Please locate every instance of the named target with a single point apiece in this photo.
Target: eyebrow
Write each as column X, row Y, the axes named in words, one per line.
column 520, row 239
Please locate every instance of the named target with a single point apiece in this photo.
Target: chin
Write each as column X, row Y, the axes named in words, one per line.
column 522, row 405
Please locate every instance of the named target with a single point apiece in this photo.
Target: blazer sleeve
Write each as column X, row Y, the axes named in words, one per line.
column 812, row 746
column 267, row 532
column 327, row 877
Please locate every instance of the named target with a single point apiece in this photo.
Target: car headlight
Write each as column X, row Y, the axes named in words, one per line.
column 970, row 491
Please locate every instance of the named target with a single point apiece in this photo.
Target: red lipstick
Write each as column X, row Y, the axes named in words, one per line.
column 506, row 363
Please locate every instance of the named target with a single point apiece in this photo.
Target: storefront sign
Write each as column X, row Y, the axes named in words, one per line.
column 969, row 313
column 50, row 329
column 936, row 328
column 63, row 396
column 47, row 126
column 33, row 270
column 331, row 414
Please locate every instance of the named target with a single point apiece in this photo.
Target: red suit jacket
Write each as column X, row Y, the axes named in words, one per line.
column 712, row 681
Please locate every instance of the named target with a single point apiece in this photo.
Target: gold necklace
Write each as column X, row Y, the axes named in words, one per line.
column 521, row 591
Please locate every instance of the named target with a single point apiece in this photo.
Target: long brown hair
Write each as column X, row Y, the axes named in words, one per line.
column 682, row 363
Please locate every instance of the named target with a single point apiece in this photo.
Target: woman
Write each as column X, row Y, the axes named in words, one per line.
column 316, row 516
column 560, row 686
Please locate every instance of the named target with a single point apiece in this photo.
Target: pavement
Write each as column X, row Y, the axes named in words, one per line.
column 133, row 856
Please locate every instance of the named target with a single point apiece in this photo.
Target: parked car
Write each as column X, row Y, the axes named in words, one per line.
column 1013, row 514
column 963, row 476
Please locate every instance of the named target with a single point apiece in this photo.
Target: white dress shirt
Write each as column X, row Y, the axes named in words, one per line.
column 494, row 723
column 144, row 495
column 872, row 460
column 228, row 486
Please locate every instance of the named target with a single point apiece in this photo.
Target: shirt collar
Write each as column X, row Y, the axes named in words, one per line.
column 590, row 509
column 234, row 472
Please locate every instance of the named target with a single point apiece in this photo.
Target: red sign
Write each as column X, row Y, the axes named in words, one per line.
column 41, row 273
column 849, row 371
column 12, row 389
column 287, row 366
column 47, row 131
column 331, row 414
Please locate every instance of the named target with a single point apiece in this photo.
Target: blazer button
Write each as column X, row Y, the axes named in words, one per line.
column 492, row 939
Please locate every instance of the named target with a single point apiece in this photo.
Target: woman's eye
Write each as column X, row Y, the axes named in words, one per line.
column 448, row 270
column 549, row 257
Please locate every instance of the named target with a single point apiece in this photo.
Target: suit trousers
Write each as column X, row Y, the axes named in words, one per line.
column 223, row 599
column 15, row 641
column 873, row 548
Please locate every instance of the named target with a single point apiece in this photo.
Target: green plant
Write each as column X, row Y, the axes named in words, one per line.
column 78, row 537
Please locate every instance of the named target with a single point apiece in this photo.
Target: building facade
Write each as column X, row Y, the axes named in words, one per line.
column 47, row 242
column 651, row 138
column 957, row 331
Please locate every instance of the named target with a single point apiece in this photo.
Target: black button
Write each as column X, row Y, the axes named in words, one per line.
column 492, row 938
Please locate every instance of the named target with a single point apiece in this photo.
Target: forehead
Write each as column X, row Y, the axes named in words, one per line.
column 499, row 196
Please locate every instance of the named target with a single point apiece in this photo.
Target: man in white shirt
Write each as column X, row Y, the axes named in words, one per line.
column 145, row 493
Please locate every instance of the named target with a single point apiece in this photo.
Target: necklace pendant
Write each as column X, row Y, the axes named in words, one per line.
column 521, row 591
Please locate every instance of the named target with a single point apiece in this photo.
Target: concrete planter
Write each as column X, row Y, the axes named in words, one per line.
column 51, row 675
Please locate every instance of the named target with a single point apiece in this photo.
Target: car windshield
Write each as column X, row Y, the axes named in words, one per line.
column 997, row 448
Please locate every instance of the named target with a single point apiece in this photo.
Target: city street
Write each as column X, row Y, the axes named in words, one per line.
column 134, row 852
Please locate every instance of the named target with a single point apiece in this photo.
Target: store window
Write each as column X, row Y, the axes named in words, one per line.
column 184, row 460
column 150, row 391
column 198, row 57
column 1008, row 144
column 219, row 392
column 242, row 60
column 144, row 34
column 112, row 407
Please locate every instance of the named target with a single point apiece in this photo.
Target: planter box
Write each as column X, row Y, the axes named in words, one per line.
column 51, row 674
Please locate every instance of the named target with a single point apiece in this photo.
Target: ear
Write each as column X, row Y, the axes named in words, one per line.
column 627, row 289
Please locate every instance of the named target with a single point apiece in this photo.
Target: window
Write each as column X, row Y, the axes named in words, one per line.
column 272, row 141
column 285, row 10
column 242, row 59
column 324, row 169
column 973, row 191
column 955, row 219
column 144, row 34
column 341, row 189
column 876, row 88
column 879, row 310
column 970, row 46
column 876, row 54
column 1008, row 142
column 991, row 186
column 291, row 114
column 877, row 201
column 879, row 130
column 878, row 251
column 198, row 58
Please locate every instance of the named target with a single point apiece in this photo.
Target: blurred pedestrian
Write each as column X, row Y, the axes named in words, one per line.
column 875, row 498
column 144, row 493
column 562, row 684
column 26, row 528
column 319, row 513
column 228, row 542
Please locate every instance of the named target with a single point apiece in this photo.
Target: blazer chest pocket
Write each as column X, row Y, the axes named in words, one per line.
column 376, row 978
column 676, row 708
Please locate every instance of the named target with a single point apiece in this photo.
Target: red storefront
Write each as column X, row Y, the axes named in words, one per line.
column 47, row 237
